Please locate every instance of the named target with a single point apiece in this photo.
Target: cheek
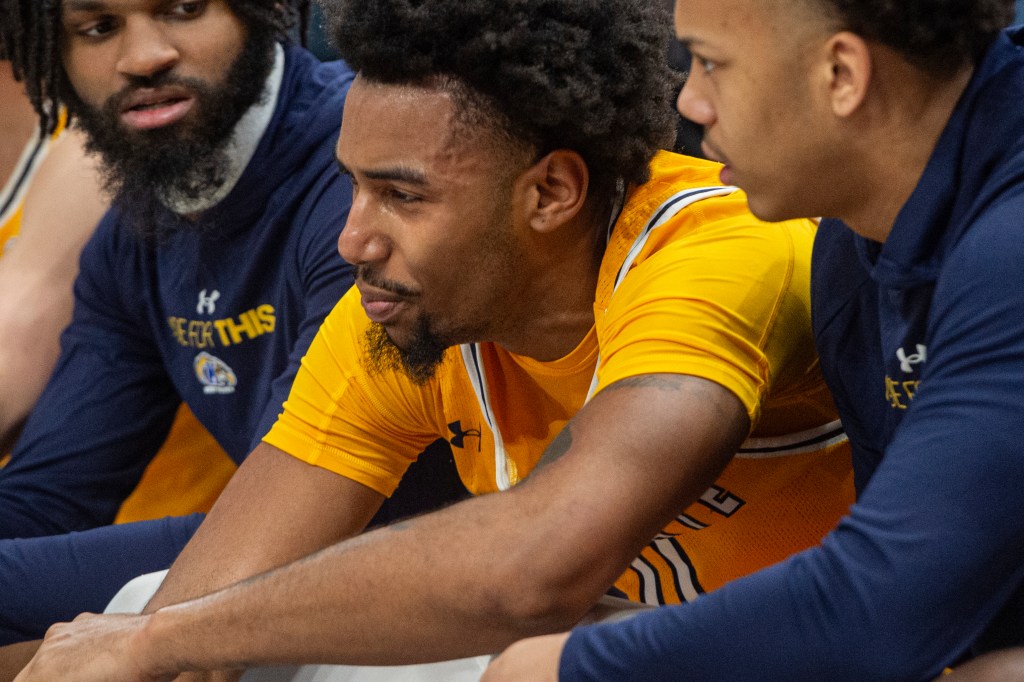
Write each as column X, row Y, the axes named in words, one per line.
column 88, row 83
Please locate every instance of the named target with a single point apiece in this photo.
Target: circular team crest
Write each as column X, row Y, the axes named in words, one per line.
column 214, row 374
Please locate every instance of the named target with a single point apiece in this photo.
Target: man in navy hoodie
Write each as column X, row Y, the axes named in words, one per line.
column 901, row 119
column 204, row 284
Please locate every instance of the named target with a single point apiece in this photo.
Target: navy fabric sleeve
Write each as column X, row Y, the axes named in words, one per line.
column 103, row 415
column 325, row 276
column 55, row 578
column 930, row 554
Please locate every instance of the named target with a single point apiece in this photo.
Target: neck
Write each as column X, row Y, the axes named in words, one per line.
column 554, row 304
column 242, row 144
column 905, row 123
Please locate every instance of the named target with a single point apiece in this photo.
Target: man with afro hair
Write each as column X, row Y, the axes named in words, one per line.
column 618, row 352
column 903, row 121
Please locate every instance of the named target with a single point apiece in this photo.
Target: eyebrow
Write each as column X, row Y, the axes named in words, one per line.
column 688, row 41
column 83, row 5
column 404, row 174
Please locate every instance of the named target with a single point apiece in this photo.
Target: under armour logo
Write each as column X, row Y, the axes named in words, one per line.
column 207, row 304
column 907, row 362
column 459, row 438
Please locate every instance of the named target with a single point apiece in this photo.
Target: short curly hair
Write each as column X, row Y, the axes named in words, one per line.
column 586, row 75
column 30, row 39
column 937, row 36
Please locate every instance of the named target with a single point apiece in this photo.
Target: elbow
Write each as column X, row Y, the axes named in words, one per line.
column 540, row 598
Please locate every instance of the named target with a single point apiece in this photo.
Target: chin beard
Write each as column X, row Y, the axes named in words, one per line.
column 419, row 361
column 186, row 160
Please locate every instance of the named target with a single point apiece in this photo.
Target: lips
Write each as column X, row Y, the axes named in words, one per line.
column 149, row 108
column 380, row 306
column 726, row 174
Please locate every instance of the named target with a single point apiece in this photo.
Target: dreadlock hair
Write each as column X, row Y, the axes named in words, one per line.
column 586, row 75
column 30, row 36
column 937, row 36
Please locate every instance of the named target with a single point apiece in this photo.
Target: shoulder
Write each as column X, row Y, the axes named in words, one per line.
column 315, row 86
column 65, row 200
column 685, row 219
column 718, row 236
column 990, row 249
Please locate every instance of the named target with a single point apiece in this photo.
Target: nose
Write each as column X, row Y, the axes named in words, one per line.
column 360, row 242
column 692, row 104
column 145, row 49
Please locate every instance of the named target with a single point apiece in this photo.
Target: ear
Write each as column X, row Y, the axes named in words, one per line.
column 554, row 189
column 850, row 70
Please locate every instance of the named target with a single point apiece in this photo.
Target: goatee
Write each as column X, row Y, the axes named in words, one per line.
column 419, row 360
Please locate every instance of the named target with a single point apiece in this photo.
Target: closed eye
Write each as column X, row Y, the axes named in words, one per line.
column 402, row 197
column 705, row 65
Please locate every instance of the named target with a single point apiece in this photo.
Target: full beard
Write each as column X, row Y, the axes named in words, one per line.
column 184, row 160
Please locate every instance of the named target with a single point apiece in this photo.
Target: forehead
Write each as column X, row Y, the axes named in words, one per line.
column 733, row 24
column 409, row 126
column 106, row 5
column 87, row 8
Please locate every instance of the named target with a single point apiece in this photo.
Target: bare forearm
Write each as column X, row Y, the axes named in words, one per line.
column 239, row 540
column 432, row 590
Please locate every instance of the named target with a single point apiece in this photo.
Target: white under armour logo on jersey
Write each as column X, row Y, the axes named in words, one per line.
column 907, row 362
column 207, row 304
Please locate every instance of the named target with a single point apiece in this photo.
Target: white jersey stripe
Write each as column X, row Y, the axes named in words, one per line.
column 811, row 440
column 685, row 579
column 17, row 184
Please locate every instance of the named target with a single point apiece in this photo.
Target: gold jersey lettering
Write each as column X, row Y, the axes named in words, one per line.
column 177, row 325
column 249, row 325
column 910, row 388
column 230, row 331
column 895, row 394
column 267, row 317
column 200, row 334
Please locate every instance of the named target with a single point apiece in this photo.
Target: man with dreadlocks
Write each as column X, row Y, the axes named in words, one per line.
column 204, row 283
column 542, row 286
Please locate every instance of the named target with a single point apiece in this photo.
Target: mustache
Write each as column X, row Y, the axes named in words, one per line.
column 368, row 276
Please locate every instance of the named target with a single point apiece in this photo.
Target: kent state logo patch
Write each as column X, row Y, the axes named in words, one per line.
column 214, row 374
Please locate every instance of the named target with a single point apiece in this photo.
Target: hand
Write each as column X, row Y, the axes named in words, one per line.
column 92, row 648
column 535, row 659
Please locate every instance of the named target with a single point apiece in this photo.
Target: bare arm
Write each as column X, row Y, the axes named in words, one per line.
column 276, row 509
column 465, row 580
column 61, row 210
